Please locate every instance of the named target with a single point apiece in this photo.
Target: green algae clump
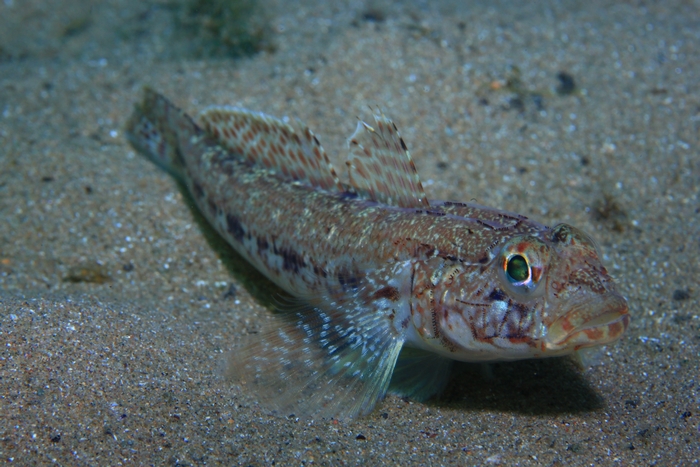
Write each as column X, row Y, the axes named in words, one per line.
column 226, row 28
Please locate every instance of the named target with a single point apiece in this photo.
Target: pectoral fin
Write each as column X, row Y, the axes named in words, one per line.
column 420, row 375
column 320, row 362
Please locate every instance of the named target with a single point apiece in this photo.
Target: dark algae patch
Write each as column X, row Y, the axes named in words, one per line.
column 77, row 25
column 90, row 273
column 374, row 14
column 5, row 55
column 611, row 213
column 225, row 28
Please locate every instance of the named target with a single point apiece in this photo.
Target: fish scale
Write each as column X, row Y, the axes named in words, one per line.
column 384, row 278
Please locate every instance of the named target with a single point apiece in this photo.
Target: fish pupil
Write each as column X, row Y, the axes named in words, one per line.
column 517, row 268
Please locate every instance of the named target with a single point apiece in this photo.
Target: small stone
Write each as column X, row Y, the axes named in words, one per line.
column 567, row 85
column 230, row 292
column 680, row 294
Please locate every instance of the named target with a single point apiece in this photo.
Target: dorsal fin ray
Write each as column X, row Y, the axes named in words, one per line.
column 380, row 167
column 291, row 150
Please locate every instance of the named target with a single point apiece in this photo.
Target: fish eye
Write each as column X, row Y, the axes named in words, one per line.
column 523, row 265
column 517, row 269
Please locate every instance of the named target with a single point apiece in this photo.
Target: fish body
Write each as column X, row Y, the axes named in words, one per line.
column 390, row 287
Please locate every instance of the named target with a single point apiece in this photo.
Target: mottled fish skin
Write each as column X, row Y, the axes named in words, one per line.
column 376, row 267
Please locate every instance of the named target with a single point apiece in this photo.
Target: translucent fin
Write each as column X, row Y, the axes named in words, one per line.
column 380, row 167
column 588, row 357
column 159, row 129
column 320, row 364
column 291, row 150
column 420, row 375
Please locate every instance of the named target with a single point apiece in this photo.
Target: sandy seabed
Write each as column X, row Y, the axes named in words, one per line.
column 118, row 304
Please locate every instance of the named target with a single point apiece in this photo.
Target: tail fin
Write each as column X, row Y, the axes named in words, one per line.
column 159, row 130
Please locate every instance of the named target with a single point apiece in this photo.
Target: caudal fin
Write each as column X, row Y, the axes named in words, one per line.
column 159, row 129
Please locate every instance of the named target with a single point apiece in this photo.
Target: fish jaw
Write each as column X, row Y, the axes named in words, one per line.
column 583, row 307
column 589, row 323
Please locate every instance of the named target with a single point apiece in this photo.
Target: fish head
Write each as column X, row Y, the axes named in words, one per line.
column 582, row 305
column 559, row 279
column 542, row 294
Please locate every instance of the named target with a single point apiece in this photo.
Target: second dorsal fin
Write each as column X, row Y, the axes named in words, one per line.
column 291, row 150
column 380, row 167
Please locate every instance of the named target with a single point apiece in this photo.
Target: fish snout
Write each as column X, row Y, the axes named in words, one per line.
column 589, row 322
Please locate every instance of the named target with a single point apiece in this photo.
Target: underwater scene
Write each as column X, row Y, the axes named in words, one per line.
column 258, row 232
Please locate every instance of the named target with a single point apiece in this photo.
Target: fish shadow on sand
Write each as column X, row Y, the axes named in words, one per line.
column 265, row 292
column 531, row 387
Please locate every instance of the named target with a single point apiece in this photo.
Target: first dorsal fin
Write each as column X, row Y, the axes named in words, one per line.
column 380, row 166
column 291, row 150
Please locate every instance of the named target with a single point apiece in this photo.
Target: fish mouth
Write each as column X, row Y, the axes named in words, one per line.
column 588, row 323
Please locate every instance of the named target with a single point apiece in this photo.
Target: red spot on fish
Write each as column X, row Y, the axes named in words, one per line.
column 617, row 328
column 536, row 272
column 594, row 334
column 566, row 325
column 517, row 340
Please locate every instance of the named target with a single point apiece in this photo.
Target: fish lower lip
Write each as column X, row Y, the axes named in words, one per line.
column 588, row 325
